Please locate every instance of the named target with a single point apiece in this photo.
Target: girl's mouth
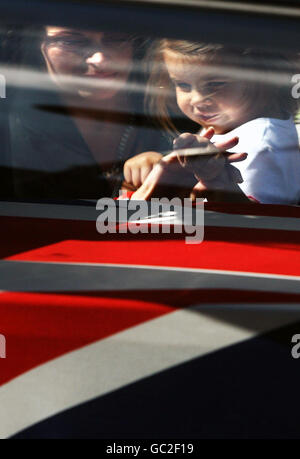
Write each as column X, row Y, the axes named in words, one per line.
column 207, row 117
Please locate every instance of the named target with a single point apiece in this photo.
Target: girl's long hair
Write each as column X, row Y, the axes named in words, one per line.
column 268, row 77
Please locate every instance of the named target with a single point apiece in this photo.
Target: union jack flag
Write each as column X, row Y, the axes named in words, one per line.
column 145, row 336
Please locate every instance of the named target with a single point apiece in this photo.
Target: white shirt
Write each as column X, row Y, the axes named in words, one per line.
column 271, row 172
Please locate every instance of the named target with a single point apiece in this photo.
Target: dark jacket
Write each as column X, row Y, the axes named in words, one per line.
column 49, row 157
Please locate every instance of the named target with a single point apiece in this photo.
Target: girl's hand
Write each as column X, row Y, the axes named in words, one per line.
column 205, row 166
column 137, row 168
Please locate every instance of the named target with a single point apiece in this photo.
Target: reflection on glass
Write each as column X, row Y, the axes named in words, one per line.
column 89, row 111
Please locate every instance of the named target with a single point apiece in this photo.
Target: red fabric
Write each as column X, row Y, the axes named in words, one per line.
column 39, row 327
column 234, row 249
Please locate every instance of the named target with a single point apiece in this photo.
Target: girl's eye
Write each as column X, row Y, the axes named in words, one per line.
column 183, row 86
column 215, row 85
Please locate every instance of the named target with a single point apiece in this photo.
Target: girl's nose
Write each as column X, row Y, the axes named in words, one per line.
column 200, row 98
column 197, row 97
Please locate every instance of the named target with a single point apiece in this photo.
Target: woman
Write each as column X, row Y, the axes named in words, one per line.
column 70, row 138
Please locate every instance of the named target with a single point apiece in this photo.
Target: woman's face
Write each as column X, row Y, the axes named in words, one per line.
column 98, row 63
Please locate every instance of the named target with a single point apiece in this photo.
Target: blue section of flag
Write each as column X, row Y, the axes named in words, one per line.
column 248, row 390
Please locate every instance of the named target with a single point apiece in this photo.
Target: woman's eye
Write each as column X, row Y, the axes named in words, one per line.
column 115, row 39
column 112, row 41
column 183, row 86
column 71, row 42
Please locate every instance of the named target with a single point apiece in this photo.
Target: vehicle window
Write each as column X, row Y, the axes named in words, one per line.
column 83, row 105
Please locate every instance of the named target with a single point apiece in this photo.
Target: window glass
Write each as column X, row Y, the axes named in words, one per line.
column 78, row 104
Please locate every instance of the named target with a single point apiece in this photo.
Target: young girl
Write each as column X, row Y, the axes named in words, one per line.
column 235, row 92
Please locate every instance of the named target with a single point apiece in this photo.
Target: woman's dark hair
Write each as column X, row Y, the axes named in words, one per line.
column 20, row 46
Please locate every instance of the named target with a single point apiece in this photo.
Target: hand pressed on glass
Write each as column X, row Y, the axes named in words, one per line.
column 196, row 167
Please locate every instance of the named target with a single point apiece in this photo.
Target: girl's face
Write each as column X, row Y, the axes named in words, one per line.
column 204, row 97
column 101, row 61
